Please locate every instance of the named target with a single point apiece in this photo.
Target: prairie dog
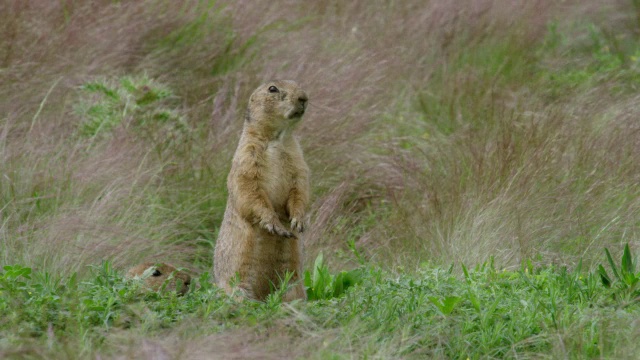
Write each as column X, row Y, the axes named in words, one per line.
column 154, row 276
column 259, row 239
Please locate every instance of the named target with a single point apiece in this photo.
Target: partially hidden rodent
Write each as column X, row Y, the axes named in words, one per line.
column 154, row 276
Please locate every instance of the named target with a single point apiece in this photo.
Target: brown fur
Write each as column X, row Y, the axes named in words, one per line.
column 259, row 239
column 154, row 276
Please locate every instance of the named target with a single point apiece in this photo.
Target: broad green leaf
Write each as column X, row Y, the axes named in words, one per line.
column 449, row 303
column 606, row 280
column 338, row 286
column 446, row 306
column 466, row 273
column 612, row 264
column 627, row 263
column 474, row 301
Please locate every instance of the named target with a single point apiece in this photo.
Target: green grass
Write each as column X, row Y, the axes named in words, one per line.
column 483, row 312
column 607, row 59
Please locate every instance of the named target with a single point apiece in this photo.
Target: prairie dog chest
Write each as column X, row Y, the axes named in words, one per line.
column 278, row 178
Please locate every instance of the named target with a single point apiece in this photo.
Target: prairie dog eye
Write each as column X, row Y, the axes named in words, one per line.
column 273, row 89
column 156, row 273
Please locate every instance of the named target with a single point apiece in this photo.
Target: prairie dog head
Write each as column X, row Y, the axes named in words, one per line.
column 154, row 275
column 280, row 102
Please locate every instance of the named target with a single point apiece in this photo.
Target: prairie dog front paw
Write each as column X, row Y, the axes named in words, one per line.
column 299, row 224
column 274, row 227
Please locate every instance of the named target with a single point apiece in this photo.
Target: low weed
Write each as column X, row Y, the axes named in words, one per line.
column 626, row 279
column 321, row 284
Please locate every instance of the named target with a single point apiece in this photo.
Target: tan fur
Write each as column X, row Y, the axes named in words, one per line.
column 259, row 239
column 154, row 276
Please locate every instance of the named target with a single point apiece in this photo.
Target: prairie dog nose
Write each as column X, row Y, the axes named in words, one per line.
column 302, row 98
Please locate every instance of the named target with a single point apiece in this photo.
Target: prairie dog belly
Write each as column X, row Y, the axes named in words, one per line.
column 272, row 257
column 277, row 180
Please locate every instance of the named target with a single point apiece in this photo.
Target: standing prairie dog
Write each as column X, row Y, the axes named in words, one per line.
column 259, row 239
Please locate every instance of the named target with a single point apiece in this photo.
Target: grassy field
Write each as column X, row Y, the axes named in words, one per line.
column 471, row 161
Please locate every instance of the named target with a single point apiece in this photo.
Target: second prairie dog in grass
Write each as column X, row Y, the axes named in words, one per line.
column 259, row 239
column 154, row 276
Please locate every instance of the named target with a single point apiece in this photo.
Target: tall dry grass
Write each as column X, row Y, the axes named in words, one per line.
column 433, row 133
column 65, row 205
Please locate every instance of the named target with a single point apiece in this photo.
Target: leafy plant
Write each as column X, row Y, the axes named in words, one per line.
column 321, row 284
column 12, row 273
column 625, row 274
column 138, row 102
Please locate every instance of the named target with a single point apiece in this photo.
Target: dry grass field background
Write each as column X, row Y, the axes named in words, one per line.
column 438, row 132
